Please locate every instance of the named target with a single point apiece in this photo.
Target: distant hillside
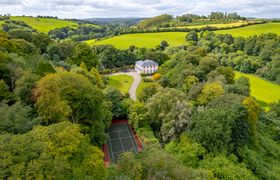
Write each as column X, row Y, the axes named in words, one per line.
column 155, row 21
column 103, row 21
column 253, row 30
column 44, row 24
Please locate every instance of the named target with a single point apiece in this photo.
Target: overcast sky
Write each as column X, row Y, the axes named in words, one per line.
column 138, row 8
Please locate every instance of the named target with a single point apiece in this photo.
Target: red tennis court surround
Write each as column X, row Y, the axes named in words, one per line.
column 122, row 138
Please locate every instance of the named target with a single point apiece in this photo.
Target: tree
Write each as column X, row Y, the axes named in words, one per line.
column 148, row 92
column 58, row 151
column 163, row 44
column 16, row 118
column 209, row 92
column 192, row 36
column 5, row 94
column 253, row 112
column 241, row 86
column 186, row 151
column 138, row 116
column 24, row 87
column 83, row 53
column 212, row 129
column 116, row 98
column 70, row 96
column 169, row 113
column 98, row 79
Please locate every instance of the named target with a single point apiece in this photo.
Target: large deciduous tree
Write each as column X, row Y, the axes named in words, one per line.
column 169, row 113
column 71, row 96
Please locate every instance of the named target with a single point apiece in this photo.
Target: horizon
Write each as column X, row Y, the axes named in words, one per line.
column 84, row 9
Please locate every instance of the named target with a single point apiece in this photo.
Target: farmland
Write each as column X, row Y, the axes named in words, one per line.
column 121, row 82
column 149, row 40
column 217, row 25
column 253, row 30
column 264, row 91
column 44, row 24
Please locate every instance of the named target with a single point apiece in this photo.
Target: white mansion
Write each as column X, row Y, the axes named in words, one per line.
column 146, row 67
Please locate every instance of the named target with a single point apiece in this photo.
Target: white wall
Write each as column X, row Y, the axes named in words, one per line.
column 146, row 69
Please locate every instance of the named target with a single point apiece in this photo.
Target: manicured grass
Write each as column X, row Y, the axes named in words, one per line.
column 264, row 91
column 121, row 82
column 149, row 40
column 253, row 30
column 44, row 24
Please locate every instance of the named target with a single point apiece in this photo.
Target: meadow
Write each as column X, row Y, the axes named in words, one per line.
column 217, row 25
column 264, row 91
column 149, row 40
column 44, row 24
column 121, row 82
column 253, row 30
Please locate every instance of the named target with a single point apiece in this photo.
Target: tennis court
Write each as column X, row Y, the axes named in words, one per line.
column 121, row 139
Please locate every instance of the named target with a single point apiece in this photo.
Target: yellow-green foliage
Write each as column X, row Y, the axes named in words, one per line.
column 209, row 92
column 253, row 30
column 121, row 82
column 83, row 66
column 253, row 111
column 56, row 151
column 149, row 40
column 262, row 90
column 44, row 24
column 97, row 77
column 90, row 42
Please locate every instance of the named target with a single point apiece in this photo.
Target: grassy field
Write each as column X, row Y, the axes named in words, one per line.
column 44, row 24
column 253, row 30
column 90, row 42
column 233, row 24
column 264, row 91
column 149, row 40
column 121, row 82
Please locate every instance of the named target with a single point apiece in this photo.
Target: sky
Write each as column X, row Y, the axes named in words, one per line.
column 138, row 8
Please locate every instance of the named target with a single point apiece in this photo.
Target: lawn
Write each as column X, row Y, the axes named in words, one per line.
column 264, row 91
column 44, row 24
column 253, row 30
column 121, row 82
column 149, row 40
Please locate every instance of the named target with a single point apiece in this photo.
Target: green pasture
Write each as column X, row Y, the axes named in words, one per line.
column 121, row 82
column 149, row 40
column 264, row 91
column 44, row 24
column 253, row 30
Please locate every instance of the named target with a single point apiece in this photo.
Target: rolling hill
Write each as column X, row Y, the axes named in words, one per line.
column 253, row 30
column 264, row 91
column 44, row 24
column 149, row 40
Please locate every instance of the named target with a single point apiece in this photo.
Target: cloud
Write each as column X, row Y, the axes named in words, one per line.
column 137, row 8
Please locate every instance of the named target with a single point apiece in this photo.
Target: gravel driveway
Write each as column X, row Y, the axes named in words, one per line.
column 134, row 85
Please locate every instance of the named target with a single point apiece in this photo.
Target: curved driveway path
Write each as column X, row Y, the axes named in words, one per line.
column 134, row 85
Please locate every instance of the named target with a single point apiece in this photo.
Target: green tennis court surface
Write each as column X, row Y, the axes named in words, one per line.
column 121, row 139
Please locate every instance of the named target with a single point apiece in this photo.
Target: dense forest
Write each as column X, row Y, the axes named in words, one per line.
column 195, row 120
